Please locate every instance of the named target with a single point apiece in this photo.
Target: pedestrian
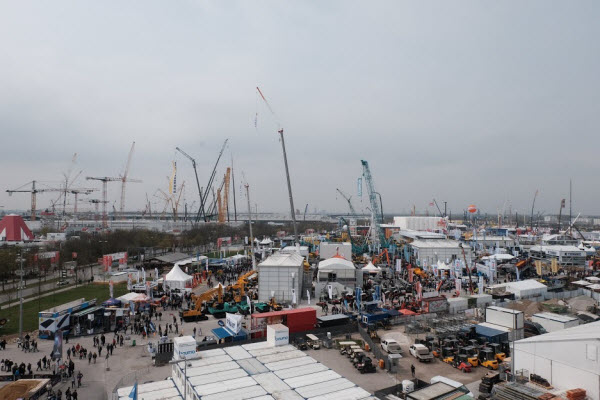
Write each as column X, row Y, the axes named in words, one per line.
column 194, row 332
column 412, row 370
column 73, row 382
column 100, row 351
column 68, row 394
column 90, row 357
column 79, row 377
column 69, row 353
column 39, row 365
column 74, row 394
column 176, row 328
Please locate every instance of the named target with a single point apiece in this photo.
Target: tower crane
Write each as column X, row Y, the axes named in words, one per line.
column 201, row 211
column 378, row 234
column 34, row 191
column 125, row 178
column 347, row 198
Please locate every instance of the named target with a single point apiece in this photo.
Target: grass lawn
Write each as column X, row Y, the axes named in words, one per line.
column 30, row 309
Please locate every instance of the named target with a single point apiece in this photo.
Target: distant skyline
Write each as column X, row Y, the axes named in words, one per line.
column 466, row 102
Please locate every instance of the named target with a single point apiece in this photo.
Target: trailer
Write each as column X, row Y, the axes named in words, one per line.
column 506, row 317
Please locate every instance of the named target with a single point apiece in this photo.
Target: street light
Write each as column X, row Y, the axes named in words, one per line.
column 21, row 300
column 184, row 374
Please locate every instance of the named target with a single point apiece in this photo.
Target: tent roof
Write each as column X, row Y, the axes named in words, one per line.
column 171, row 258
column 592, row 278
column 336, row 263
column 176, row 274
column 589, row 331
column 13, row 228
column 283, row 259
column 370, row 267
column 582, row 283
column 595, row 286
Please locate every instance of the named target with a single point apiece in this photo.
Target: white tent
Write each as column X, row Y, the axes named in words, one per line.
column 592, row 278
column 177, row 279
column 499, row 257
column 442, row 266
column 595, row 286
column 266, row 242
column 370, row 268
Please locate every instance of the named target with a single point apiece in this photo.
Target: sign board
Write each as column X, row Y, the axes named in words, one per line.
column 184, row 347
column 233, row 323
column 278, row 335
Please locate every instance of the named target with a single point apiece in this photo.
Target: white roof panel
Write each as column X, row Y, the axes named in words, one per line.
column 589, row 331
column 289, row 395
column 355, row 393
column 271, row 350
column 322, row 388
column 301, row 370
column 211, row 353
column 202, row 362
column 237, row 353
column 280, row 356
column 252, row 366
column 238, row 394
column 224, row 386
column 292, row 363
column 209, row 369
column 217, row 377
column 271, row 382
column 255, row 346
column 311, row 379
column 147, row 387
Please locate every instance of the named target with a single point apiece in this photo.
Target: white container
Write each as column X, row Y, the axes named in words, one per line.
column 278, row 335
column 184, row 347
column 554, row 322
column 408, row 386
column 506, row 317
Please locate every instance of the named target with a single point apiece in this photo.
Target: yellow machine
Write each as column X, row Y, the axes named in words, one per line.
column 448, row 360
column 274, row 305
column 196, row 313
column 488, row 358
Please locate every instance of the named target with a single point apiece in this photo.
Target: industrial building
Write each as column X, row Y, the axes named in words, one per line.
column 567, row 358
column 280, row 276
column 554, row 322
column 566, row 255
column 527, row 289
column 432, row 251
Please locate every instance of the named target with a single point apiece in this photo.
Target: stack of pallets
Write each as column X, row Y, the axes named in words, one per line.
column 576, row 394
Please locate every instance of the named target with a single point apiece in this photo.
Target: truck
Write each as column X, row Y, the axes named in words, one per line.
column 421, row 353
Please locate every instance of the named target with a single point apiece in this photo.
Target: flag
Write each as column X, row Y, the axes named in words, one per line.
column 134, row 392
column 155, row 274
column 308, row 295
column 110, row 288
column 517, row 272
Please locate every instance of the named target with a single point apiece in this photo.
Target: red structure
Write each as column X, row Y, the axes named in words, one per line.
column 13, row 229
column 297, row 320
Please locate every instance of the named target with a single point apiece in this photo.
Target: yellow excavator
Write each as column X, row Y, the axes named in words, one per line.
column 196, row 313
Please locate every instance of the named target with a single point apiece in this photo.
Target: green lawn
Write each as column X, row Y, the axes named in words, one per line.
column 30, row 309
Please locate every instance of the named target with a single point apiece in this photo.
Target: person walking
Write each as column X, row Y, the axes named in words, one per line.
column 412, row 370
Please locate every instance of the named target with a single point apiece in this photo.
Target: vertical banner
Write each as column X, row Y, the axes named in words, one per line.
column 419, row 291
column 129, row 286
column 330, row 291
column 410, row 275
column 156, row 274
column 399, row 265
column 308, row 295
column 480, row 284
column 57, row 350
column 359, row 187
column 458, row 286
column 294, row 296
column 143, row 275
column 358, row 298
column 517, row 273
column 110, row 288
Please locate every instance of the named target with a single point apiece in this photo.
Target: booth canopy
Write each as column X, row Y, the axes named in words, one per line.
column 336, row 263
column 370, row 268
column 177, row 279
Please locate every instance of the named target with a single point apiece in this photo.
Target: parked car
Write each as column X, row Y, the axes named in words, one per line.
column 62, row 283
column 421, row 353
column 300, row 344
column 391, row 346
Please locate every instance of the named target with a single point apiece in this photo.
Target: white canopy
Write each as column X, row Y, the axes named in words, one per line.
column 370, row 268
column 592, row 278
column 177, row 279
column 441, row 265
column 595, row 286
column 266, row 241
column 132, row 296
column 336, row 263
column 582, row 283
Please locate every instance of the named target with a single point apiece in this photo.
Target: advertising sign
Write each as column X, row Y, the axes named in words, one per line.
column 233, row 323
column 57, row 350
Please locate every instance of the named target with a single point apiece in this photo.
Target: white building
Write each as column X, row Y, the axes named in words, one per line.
column 337, row 272
column 432, row 251
column 421, row 223
column 280, row 276
column 568, row 358
column 527, row 289
column 566, row 255
column 554, row 322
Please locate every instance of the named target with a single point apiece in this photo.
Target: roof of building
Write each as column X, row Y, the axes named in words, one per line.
column 283, row 260
column 506, row 310
column 436, row 244
column 336, row 263
column 13, row 229
column 171, row 258
column 555, row 317
column 432, row 391
column 284, row 312
column 589, row 331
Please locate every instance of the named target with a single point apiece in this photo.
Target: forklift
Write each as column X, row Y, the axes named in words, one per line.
column 471, row 353
column 462, row 363
column 447, row 355
column 487, row 358
column 497, row 351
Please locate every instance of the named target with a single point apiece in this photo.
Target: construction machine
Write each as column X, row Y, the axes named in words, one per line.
column 471, row 353
column 197, row 312
column 461, row 362
column 487, row 358
column 496, row 347
column 274, row 305
column 447, row 355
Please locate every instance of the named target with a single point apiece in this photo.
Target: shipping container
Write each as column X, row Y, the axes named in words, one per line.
column 506, row 317
column 297, row 320
column 555, row 322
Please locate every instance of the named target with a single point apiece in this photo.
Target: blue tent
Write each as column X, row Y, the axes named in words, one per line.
column 222, row 333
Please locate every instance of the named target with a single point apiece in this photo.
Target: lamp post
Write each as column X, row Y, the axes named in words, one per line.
column 21, row 300
column 184, row 374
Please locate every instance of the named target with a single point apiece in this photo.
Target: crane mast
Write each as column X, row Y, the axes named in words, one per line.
column 201, row 211
column 378, row 235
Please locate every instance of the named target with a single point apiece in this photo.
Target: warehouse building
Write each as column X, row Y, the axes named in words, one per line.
column 280, row 276
column 428, row 252
column 567, row 358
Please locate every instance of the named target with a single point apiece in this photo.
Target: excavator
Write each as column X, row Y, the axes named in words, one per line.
column 197, row 313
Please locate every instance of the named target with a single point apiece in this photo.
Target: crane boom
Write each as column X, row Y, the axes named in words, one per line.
column 210, row 181
column 375, row 205
column 347, row 198
column 201, row 211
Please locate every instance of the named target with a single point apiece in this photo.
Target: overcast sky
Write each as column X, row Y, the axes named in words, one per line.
column 470, row 102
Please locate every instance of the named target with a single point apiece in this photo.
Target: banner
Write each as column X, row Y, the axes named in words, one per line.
column 480, row 284
column 57, row 350
column 308, row 295
column 155, row 274
column 54, row 256
column 233, row 322
column 399, row 265
column 129, row 286
column 330, row 291
column 458, row 286
column 410, row 275
column 359, row 187
column 293, row 296
column 419, row 291
column 110, row 288
column 517, row 272
column 143, row 275
column 358, row 297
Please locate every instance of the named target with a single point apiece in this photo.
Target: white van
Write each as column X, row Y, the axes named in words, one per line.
column 452, row 383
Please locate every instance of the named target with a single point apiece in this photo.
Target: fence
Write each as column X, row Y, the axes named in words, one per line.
column 129, row 380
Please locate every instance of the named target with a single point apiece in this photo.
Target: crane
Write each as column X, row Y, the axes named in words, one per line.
column 77, row 192
column 305, row 210
column 124, row 179
column 378, row 234
column 34, row 191
column 210, row 182
column 347, row 198
column 104, row 180
column 201, row 211
column 227, row 179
